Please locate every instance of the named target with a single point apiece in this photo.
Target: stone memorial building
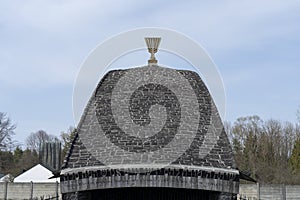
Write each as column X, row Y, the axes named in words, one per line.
column 150, row 132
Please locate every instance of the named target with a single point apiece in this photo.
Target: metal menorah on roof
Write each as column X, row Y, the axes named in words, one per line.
column 152, row 44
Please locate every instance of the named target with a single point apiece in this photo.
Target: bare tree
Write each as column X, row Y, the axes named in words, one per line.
column 228, row 130
column 34, row 140
column 67, row 138
column 264, row 148
column 6, row 131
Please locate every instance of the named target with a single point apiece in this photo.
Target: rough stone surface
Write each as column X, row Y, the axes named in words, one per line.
column 219, row 156
column 149, row 116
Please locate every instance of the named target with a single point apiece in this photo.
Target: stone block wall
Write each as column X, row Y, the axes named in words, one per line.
column 17, row 191
column 269, row 192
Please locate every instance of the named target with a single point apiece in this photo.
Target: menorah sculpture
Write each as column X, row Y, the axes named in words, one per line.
column 152, row 44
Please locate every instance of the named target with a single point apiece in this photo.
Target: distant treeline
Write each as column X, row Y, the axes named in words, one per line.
column 268, row 151
column 14, row 159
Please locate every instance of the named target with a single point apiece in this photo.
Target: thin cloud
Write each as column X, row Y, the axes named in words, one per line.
column 43, row 44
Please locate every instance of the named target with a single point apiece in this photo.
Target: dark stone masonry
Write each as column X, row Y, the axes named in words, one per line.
column 150, row 133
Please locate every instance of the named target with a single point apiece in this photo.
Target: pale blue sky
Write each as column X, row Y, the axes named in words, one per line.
column 255, row 45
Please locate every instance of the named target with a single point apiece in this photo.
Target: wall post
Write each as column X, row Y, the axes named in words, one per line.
column 283, row 192
column 31, row 190
column 5, row 190
column 57, row 185
column 258, row 190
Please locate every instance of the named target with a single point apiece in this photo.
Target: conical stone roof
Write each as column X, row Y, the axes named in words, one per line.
column 150, row 121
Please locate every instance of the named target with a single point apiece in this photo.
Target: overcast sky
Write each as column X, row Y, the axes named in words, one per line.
column 255, row 45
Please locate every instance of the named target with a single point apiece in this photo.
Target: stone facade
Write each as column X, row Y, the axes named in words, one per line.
column 150, row 127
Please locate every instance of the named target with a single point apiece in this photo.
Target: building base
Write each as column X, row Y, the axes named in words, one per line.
column 148, row 193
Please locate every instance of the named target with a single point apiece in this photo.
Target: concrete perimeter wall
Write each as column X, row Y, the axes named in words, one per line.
column 265, row 192
column 17, row 191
